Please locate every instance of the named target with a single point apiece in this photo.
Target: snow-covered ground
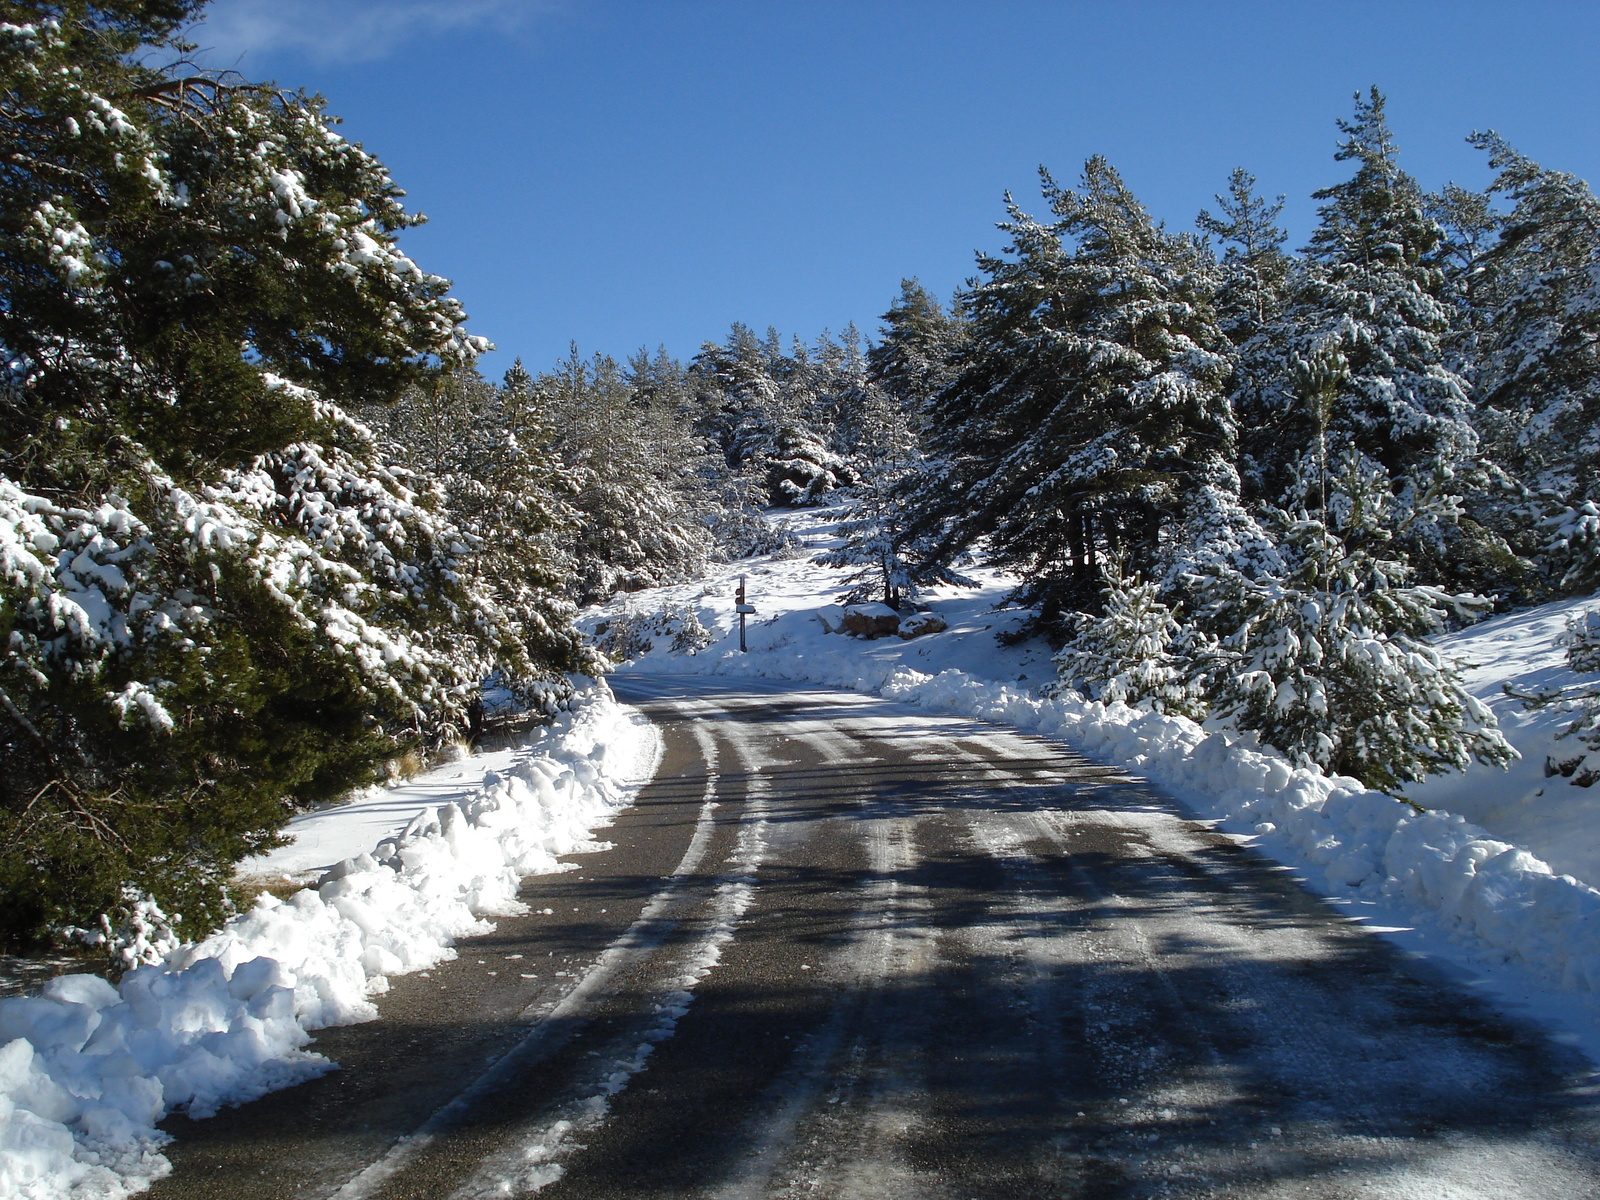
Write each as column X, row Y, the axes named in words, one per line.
column 1466, row 884
column 788, row 590
column 1548, row 815
column 87, row 1069
column 331, row 835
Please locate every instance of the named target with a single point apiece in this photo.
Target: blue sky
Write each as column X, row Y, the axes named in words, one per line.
column 629, row 173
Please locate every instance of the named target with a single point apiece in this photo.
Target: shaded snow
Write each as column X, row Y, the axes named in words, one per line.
column 342, row 831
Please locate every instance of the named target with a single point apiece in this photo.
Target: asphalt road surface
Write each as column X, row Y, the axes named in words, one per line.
column 845, row 948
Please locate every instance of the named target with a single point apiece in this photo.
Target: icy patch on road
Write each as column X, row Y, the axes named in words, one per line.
column 87, row 1069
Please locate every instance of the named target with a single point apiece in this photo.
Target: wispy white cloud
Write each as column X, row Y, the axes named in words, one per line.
column 349, row 30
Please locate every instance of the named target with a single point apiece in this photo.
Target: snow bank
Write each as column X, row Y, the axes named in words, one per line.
column 87, row 1069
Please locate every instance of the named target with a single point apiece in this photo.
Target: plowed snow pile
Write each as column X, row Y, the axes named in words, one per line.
column 87, row 1069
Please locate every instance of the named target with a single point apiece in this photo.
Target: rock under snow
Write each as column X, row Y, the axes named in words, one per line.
column 920, row 623
column 871, row 620
column 832, row 618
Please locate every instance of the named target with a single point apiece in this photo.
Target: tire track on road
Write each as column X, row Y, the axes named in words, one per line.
column 533, row 1160
column 554, row 1028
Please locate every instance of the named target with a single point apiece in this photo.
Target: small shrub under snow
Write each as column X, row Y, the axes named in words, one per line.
column 632, row 634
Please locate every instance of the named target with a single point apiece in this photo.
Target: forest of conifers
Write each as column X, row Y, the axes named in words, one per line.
column 265, row 529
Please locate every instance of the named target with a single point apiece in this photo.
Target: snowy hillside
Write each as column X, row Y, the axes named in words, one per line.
column 786, row 638
column 1548, row 815
column 1466, row 884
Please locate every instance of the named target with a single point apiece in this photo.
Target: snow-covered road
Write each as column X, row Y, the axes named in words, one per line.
column 844, row 947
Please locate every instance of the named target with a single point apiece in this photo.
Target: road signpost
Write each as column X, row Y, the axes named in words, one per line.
column 743, row 609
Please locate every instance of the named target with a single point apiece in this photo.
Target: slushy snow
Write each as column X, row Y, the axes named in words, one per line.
column 87, row 1069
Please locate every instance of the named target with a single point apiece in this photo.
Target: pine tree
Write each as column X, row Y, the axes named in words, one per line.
column 487, row 451
column 1255, row 267
column 1542, row 364
column 1470, row 226
column 1135, row 652
column 1327, row 657
column 1539, row 355
column 915, row 356
column 1493, row 544
column 887, row 554
column 217, row 600
column 775, row 416
column 1366, row 315
column 638, row 500
column 871, row 426
column 737, row 385
column 1255, row 277
column 1089, row 414
column 1375, row 302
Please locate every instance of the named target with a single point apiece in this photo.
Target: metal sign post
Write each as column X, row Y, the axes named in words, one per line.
column 742, row 609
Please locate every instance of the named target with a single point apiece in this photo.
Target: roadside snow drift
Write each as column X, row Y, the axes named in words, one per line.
column 87, row 1069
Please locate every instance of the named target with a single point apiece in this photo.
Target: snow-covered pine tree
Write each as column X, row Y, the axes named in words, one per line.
column 738, row 525
column 885, row 552
column 917, row 347
column 661, row 404
column 1326, row 658
column 737, row 386
column 1539, row 357
column 1089, row 415
column 774, row 415
column 1136, row 651
column 217, row 600
column 801, row 469
column 872, row 427
column 486, row 449
column 1368, row 300
column 730, row 393
column 638, row 499
column 1470, row 226
column 1254, row 266
column 1255, row 278
column 1493, row 544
